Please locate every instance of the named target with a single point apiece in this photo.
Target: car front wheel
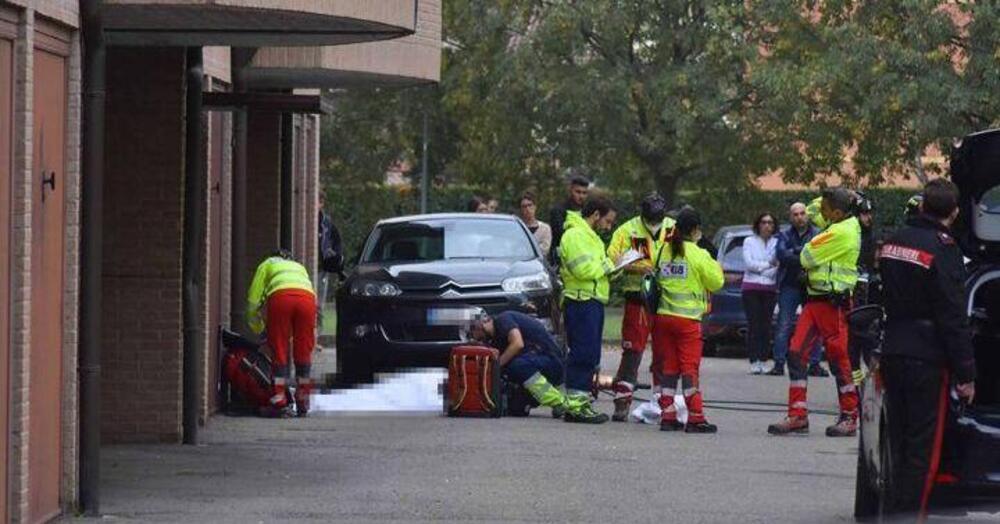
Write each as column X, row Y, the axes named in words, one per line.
column 354, row 368
column 710, row 348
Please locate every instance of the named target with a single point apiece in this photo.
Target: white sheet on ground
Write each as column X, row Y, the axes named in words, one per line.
column 649, row 412
column 417, row 390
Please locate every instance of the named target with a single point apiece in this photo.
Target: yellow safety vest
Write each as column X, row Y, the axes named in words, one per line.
column 273, row 274
column 634, row 235
column 814, row 214
column 831, row 258
column 585, row 266
column 686, row 281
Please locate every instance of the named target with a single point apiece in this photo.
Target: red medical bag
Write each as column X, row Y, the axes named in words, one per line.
column 473, row 388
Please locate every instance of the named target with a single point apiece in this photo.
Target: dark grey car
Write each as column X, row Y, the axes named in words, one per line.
column 727, row 322
column 420, row 279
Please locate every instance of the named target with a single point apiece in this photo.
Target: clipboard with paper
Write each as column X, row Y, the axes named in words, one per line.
column 627, row 258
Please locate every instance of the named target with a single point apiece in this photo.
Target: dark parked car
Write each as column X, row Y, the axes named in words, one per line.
column 970, row 451
column 419, row 280
column 727, row 322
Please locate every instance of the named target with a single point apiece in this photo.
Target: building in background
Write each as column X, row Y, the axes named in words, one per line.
column 249, row 61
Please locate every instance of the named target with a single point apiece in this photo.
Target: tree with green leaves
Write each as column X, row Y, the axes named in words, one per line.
column 681, row 95
column 873, row 82
column 646, row 91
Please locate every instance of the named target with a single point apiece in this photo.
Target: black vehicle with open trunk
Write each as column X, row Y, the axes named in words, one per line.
column 969, row 470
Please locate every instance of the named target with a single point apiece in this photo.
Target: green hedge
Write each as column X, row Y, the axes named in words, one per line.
column 355, row 209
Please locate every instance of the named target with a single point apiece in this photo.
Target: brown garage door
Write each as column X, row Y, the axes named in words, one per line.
column 6, row 168
column 48, row 223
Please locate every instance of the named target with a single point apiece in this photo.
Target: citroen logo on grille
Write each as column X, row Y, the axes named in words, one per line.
column 451, row 293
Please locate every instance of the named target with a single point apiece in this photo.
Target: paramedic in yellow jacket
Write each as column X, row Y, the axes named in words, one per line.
column 686, row 274
column 585, row 270
column 814, row 214
column 831, row 263
column 282, row 298
column 643, row 234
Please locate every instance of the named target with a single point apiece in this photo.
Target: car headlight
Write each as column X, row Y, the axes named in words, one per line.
column 374, row 288
column 538, row 282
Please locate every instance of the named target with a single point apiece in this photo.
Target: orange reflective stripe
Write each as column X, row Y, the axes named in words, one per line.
column 821, row 239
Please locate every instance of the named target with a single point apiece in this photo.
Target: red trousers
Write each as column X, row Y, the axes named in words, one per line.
column 677, row 346
column 637, row 325
column 291, row 315
column 820, row 320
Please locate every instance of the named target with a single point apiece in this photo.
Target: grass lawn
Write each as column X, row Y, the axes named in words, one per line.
column 612, row 323
column 329, row 321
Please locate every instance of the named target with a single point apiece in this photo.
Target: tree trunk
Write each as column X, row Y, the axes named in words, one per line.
column 921, row 175
column 666, row 182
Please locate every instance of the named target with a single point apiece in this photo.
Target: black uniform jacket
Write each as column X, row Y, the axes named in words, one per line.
column 923, row 280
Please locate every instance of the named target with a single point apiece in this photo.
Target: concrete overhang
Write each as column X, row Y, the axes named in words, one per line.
column 256, row 23
column 411, row 60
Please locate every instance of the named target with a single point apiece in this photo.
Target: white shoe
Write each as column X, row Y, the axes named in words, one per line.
column 754, row 368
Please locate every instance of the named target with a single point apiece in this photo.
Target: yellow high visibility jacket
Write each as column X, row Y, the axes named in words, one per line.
column 585, row 266
column 686, row 281
column 273, row 274
column 634, row 235
column 814, row 214
column 831, row 258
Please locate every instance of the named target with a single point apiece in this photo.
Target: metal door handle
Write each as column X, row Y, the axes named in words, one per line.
column 49, row 181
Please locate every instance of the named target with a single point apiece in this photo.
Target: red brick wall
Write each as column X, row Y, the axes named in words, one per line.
column 141, row 359
column 263, row 186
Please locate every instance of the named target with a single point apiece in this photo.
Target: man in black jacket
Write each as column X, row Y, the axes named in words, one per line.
column 928, row 345
column 579, row 186
column 869, row 237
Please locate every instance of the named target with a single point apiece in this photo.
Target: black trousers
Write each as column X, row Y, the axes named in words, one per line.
column 915, row 391
column 759, row 308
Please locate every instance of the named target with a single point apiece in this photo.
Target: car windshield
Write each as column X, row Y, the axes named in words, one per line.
column 732, row 259
column 444, row 239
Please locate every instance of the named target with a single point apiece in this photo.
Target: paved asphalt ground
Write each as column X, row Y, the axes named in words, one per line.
column 426, row 467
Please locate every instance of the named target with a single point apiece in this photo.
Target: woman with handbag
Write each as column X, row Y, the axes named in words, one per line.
column 686, row 274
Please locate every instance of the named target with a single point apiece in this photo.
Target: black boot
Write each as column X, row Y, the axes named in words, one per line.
column 700, row 427
column 671, row 425
column 778, row 370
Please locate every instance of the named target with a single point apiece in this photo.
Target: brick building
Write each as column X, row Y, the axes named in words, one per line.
column 256, row 137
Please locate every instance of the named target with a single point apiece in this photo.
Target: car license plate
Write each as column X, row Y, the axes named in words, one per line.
column 450, row 316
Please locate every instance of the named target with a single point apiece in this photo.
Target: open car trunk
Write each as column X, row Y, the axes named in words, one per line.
column 971, row 451
column 985, row 318
column 975, row 169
